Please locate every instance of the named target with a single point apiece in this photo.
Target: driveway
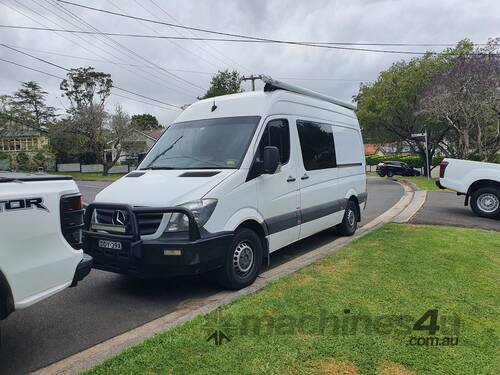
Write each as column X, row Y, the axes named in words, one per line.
column 105, row 304
column 446, row 208
column 89, row 189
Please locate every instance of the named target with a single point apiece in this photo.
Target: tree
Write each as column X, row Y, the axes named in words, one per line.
column 389, row 108
column 466, row 97
column 87, row 91
column 145, row 122
column 85, row 88
column 224, row 83
column 66, row 143
column 119, row 129
column 6, row 113
column 30, row 102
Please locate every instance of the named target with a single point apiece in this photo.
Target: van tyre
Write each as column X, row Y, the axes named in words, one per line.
column 243, row 260
column 390, row 173
column 485, row 202
column 350, row 222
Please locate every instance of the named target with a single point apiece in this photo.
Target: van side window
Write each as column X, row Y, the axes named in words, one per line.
column 317, row 145
column 277, row 134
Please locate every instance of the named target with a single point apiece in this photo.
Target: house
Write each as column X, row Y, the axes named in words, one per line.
column 23, row 139
column 20, row 147
column 372, row 149
column 137, row 142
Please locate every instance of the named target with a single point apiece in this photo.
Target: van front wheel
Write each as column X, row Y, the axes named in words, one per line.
column 349, row 223
column 243, row 261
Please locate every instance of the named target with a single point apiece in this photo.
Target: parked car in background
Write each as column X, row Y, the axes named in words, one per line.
column 478, row 181
column 41, row 220
column 391, row 168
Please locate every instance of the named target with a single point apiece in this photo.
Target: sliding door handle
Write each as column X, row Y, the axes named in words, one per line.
column 304, row 177
column 290, row 179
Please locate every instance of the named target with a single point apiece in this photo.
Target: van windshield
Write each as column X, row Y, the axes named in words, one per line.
column 203, row 144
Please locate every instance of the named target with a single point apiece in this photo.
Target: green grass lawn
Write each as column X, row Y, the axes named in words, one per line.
column 422, row 182
column 90, row 176
column 305, row 323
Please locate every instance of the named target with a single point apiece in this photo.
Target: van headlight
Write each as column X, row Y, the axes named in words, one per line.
column 202, row 210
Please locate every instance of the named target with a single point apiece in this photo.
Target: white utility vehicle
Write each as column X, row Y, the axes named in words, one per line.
column 41, row 219
column 233, row 179
column 478, row 181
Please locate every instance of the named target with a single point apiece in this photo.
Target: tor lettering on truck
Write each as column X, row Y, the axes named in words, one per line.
column 22, row 204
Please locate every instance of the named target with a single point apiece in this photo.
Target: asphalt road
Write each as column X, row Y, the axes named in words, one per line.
column 446, row 208
column 105, row 304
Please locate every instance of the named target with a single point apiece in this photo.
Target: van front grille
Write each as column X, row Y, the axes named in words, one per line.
column 148, row 223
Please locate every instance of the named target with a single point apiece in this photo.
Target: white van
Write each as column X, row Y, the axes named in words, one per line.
column 233, row 179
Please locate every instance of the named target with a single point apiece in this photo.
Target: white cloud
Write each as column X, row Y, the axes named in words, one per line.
column 424, row 21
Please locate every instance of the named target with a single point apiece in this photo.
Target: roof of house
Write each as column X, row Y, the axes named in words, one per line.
column 20, row 133
column 371, row 149
column 156, row 134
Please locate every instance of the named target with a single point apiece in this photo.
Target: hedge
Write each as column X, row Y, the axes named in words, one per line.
column 414, row 160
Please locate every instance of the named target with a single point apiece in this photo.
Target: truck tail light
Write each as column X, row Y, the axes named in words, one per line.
column 71, row 210
column 442, row 168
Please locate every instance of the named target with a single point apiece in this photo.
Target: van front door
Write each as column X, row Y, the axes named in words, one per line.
column 278, row 194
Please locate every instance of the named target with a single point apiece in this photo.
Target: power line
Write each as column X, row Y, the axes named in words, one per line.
column 61, row 78
column 189, row 71
column 172, row 75
column 67, row 70
column 144, row 102
column 157, row 33
column 107, row 61
column 240, row 35
column 168, row 37
column 155, row 81
column 210, row 47
column 33, row 69
column 185, row 70
column 111, row 45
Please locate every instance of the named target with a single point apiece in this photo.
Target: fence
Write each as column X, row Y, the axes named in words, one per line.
column 93, row 168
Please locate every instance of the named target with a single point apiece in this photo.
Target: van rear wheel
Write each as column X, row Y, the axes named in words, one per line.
column 243, row 261
column 350, row 222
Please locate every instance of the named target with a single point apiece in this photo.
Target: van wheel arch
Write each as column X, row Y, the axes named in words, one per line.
column 261, row 231
column 354, row 199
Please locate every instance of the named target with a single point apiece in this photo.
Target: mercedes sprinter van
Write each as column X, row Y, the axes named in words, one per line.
column 233, row 179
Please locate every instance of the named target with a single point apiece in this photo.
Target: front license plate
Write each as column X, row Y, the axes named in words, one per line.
column 105, row 244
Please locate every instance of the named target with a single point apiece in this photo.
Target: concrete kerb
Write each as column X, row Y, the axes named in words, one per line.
column 90, row 357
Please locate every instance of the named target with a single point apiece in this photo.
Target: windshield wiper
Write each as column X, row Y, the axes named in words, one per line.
column 164, row 151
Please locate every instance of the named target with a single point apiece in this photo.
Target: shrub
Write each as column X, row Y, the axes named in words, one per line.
column 413, row 160
column 5, row 161
column 39, row 161
column 23, row 161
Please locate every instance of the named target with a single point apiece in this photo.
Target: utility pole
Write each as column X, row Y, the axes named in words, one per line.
column 253, row 79
column 427, row 164
column 427, row 156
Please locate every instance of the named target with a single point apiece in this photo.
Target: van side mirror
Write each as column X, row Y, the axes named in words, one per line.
column 271, row 159
column 141, row 157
